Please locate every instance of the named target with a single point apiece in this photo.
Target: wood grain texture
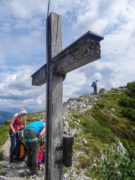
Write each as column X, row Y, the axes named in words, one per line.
column 80, row 53
column 54, row 103
column 83, row 51
column 40, row 77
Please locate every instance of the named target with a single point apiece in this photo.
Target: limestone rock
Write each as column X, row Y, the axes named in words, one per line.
column 3, row 178
column 84, row 141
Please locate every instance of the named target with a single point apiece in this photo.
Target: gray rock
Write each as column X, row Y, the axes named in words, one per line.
column 3, row 178
column 121, row 148
column 84, row 141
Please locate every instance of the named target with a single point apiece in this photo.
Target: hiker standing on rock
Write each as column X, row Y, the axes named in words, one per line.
column 16, row 126
column 94, row 85
column 32, row 133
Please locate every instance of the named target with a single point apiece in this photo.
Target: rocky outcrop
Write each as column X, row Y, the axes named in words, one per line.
column 80, row 104
column 83, row 103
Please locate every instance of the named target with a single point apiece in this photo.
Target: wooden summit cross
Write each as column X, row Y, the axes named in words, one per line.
column 59, row 62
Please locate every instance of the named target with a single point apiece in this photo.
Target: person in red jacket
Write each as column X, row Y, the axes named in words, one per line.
column 17, row 124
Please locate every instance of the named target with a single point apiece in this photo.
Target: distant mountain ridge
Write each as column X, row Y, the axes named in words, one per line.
column 5, row 116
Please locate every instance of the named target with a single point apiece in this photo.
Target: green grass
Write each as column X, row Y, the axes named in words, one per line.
column 117, row 166
column 72, row 124
column 103, row 126
column 97, row 129
column 131, row 87
column 83, row 162
column 4, row 131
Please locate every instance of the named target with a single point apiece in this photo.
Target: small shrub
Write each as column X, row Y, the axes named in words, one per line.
column 7, row 122
column 131, row 87
column 1, row 156
column 65, row 169
column 129, row 113
column 128, row 107
column 101, row 105
column 116, row 165
column 130, row 146
column 127, row 102
column 84, row 162
column 72, row 124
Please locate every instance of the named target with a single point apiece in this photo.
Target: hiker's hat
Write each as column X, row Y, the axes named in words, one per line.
column 23, row 112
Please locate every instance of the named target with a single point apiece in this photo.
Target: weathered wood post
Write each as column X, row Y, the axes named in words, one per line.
column 83, row 51
column 54, row 100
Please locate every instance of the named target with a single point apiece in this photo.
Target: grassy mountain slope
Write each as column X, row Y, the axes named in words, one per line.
column 105, row 143
column 4, row 116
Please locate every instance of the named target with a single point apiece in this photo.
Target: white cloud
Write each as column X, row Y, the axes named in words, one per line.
column 26, row 9
column 100, row 14
column 22, row 46
column 21, row 77
column 74, row 81
column 98, row 76
column 116, row 20
column 16, row 90
column 42, row 99
column 64, row 7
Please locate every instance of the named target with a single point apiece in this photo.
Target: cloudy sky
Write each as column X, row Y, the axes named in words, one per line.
column 22, row 47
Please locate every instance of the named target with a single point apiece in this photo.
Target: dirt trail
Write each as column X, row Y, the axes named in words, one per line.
column 5, row 150
column 13, row 171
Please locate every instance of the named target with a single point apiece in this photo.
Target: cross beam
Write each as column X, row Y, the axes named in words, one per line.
column 83, row 51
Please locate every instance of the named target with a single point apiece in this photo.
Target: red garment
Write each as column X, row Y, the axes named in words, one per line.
column 40, row 155
column 17, row 123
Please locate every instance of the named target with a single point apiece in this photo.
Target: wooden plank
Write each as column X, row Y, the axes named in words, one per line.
column 83, row 51
column 54, row 101
column 40, row 77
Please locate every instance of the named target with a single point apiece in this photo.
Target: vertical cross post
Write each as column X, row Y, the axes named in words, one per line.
column 83, row 51
column 54, row 101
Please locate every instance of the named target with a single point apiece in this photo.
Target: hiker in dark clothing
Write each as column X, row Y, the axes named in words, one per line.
column 32, row 133
column 94, row 85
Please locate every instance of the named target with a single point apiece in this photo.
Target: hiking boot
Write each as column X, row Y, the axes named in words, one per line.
column 28, row 171
column 38, row 174
column 35, row 177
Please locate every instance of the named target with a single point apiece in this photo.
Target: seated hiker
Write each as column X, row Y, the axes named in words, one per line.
column 32, row 133
column 16, row 126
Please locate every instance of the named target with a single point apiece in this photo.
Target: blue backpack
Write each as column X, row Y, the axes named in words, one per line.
column 93, row 84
